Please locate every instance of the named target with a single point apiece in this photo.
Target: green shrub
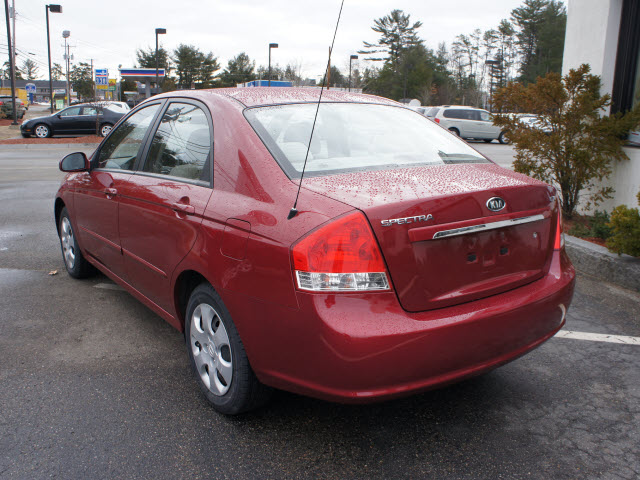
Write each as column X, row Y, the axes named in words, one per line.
column 625, row 224
column 579, row 230
column 600, row 225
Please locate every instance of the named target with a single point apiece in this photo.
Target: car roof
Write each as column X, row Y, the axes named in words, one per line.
column 263, row 96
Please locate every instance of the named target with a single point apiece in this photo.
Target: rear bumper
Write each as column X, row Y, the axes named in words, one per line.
column 362, row 348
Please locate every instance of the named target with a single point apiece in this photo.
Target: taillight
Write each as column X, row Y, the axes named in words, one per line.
column 341, row 256
column 437, row 120
column 559, row 241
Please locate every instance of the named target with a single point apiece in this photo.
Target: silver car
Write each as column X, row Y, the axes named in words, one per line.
column 467, row 122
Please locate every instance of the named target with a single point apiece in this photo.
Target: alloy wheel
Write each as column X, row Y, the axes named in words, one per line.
column 104, row 131
column 42, row 131
column 211, row 349
column 68, row 244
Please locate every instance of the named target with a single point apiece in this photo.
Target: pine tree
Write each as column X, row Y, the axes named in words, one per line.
column 240, row 69
column 396, row 34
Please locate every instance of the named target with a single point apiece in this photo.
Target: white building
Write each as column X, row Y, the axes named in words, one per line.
column 606, row 35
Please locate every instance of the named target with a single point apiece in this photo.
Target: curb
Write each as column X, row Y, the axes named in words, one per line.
column 45, row 146
column 597, row 261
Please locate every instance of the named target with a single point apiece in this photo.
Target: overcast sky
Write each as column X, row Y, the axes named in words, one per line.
column 111, row 31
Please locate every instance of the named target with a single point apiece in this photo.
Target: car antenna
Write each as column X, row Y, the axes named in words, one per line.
column 294, row 211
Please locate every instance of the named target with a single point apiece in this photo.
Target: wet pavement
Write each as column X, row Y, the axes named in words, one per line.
column 93, row 384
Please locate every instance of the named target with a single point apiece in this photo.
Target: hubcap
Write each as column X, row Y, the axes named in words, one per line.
column 105, row 130
column 68, row 248
column 42, row 131
column 211, row 349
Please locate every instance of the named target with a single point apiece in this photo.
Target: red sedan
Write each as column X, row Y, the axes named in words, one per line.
column 413, row 261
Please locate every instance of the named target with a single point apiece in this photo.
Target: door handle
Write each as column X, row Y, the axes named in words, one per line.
column 110, row 192
column 184, row 208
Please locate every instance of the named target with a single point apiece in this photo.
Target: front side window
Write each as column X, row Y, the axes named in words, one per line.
column 121, row 149
column 181, row 146
column 69, row 112
column 355, row 137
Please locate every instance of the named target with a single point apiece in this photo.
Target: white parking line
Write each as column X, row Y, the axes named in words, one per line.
column 598, row 337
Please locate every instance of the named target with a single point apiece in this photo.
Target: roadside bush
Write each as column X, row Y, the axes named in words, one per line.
column 625, row 224
column 577, row 149
column 596, row 226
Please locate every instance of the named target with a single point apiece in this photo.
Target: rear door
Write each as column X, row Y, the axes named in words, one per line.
column 87, row 120
column 162, row 205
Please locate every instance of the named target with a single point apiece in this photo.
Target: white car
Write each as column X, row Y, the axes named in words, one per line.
column 119, row 107
column 467, row 122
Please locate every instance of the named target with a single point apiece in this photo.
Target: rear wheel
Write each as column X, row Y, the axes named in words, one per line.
column 105, row 128
column 218, row 357
column 455, row 131
column 42, row 131
column 503, row 139
column 76, row 264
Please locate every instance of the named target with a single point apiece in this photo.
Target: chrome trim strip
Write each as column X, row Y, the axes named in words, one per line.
column 486, row 226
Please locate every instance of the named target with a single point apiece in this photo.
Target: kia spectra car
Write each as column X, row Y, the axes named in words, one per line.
column 412, row 262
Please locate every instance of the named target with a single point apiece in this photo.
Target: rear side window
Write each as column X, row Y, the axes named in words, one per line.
column 432, row 112
column 121, row 148
column 354, row 137
column 461, row 113
column 181, row 146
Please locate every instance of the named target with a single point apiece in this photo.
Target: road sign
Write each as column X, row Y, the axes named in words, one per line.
column 30, row 87
column 102, row 81
column 102, row 72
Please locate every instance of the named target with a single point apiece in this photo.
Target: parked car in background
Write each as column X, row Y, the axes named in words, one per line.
column 79, row 119
column 6, row 107
column 121, row 107
column 468, row 122
column 412, row 261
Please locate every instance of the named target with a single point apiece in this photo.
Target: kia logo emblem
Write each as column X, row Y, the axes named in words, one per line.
column 495, row 204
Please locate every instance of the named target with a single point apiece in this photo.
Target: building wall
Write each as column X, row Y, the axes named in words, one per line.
column 592, row 37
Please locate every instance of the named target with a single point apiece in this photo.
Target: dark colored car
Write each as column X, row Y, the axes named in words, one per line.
column 77, row 119
column 6, row 107
column 412, row 262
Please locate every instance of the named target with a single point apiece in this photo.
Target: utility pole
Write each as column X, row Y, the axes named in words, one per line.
column 95, row 93
column 12, row 67
column 13, row 18
column 66, row 34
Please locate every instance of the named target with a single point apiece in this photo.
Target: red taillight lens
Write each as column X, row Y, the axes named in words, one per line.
column 340, row 256
column 437, row 120
column 559, row 241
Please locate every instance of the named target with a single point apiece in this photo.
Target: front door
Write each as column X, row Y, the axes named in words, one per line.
column 96, row 199
column 162, row 206
column 68, row 121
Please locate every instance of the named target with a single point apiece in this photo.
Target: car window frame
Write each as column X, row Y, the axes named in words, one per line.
column 144, row 143
column 142, row 159
column 61, row 112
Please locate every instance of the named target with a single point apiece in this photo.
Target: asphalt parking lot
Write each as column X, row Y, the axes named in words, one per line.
column 93, row 384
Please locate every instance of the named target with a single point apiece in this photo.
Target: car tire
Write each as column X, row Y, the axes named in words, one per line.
column 213, row 344
column 105, row 128
column 77, row 266
column 455, row 131
column 503, row 139
column 42, row 131
column 488, row 140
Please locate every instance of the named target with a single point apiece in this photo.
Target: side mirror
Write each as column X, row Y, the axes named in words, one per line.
column 75, row 162
column 58, row 115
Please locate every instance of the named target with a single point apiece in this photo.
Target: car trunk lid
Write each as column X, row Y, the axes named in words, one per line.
column 442, row 244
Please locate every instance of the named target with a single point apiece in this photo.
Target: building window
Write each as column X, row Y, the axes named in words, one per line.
column 626, row 84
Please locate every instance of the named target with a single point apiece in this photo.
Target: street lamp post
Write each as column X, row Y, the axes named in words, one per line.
column 159, row 31
column 12, row 67
column 271, row 45
column 351, row 58
column 52, row 9
column 66, row 34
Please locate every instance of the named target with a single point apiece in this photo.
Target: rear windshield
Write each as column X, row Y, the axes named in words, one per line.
column 355, row 137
